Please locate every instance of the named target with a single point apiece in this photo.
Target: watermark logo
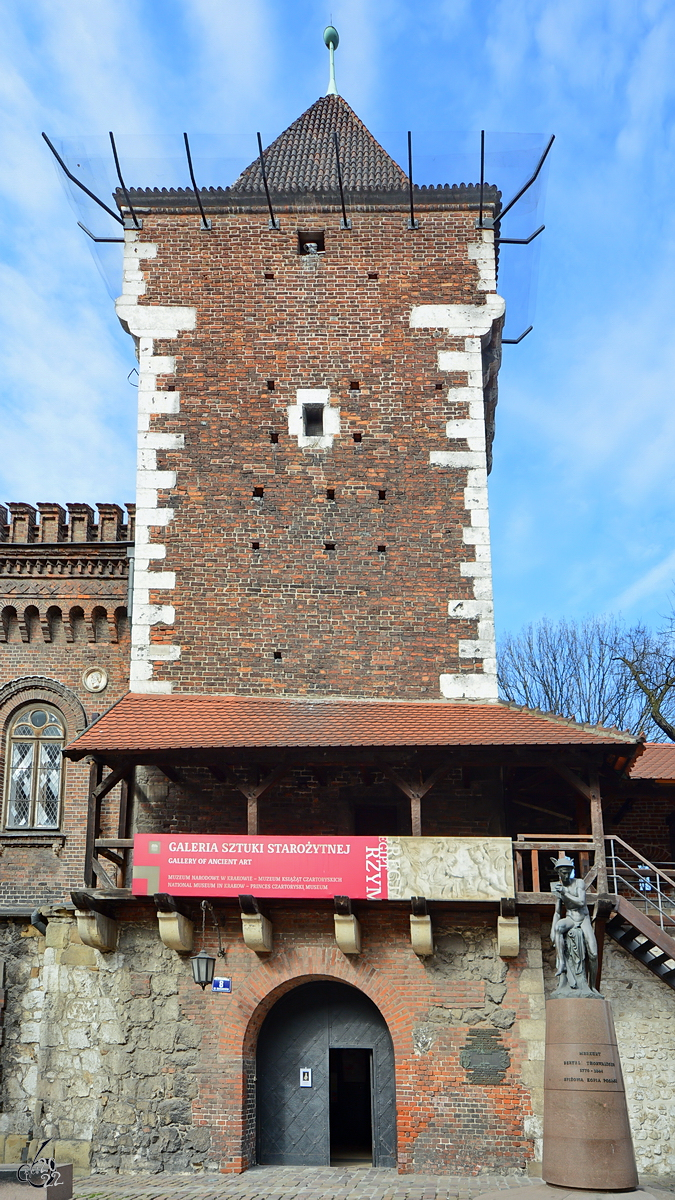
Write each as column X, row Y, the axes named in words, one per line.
column 41, row 1172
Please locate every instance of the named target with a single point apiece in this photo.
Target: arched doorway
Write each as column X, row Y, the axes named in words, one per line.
column 325, row 1080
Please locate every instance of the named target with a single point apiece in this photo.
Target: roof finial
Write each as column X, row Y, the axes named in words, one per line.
column 332, row 40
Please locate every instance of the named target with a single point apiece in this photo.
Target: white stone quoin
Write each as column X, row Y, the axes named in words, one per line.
column 474, row 323
column 146, row 323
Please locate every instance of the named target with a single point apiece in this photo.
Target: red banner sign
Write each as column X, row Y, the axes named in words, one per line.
column 184, row 864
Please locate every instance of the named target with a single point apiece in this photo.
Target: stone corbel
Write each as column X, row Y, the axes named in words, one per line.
column 421, row 935
column 508, row 929
column 175, row 928
column 256, row 928
column 347, row 928
column 96, row 926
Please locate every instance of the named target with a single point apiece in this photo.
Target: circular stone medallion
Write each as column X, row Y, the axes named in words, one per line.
column 95, row 679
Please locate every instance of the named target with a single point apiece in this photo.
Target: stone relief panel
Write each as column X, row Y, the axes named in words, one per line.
column 450, row 868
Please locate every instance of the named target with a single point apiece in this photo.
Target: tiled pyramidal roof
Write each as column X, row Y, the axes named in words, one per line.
column 303, row 157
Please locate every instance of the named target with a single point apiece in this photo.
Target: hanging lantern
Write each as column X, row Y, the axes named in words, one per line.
column 203, row 966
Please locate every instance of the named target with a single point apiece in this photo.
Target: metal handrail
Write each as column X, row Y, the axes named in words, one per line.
column 612, row 837
column 640, row 881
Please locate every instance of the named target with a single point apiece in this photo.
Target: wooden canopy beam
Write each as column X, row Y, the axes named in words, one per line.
column 416, row 792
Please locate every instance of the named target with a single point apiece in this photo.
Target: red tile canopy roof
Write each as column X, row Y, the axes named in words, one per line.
column 140, row 723
column 657, row 762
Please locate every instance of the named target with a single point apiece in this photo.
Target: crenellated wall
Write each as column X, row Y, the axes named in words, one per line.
column 65, row 643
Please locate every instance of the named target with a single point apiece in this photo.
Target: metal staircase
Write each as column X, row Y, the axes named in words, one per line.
column 643, row 938
column 644, row 913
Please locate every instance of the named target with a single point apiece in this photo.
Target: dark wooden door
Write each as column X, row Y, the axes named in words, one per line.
column 299, row 1032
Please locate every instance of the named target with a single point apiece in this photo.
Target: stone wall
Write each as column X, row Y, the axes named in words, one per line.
column 644, row 1015
column 98, row 1053
column 130, row 1067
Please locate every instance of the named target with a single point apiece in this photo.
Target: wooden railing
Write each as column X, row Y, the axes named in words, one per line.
column 533, row 875
column 117, row 870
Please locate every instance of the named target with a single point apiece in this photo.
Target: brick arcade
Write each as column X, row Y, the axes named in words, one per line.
column 306, row 649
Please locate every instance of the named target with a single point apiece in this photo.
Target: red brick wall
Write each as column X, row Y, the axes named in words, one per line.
column 445, row 1122
column 643, row 824
column 61, row 615
column 353, row 620
column 316, row 801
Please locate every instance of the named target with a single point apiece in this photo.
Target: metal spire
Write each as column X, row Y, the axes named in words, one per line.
column 332, row 40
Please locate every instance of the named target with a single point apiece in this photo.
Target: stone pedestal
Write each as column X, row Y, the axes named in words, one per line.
column 587, row 1140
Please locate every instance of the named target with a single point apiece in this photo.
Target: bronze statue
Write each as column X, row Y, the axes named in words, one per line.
column 572, row 935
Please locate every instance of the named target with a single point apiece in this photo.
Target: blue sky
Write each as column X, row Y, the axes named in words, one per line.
column 583, row 488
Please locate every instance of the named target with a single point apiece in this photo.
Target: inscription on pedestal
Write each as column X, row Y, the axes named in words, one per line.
column 579, row 1066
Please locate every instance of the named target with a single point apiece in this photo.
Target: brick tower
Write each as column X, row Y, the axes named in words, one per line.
column 315, row 419
column 312, row 798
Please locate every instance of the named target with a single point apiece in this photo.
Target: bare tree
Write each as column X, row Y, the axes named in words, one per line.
column 595, row 670
column 651, row 665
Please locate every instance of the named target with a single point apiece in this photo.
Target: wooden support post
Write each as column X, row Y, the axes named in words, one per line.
column 520, row 885
column 252, row 794
column 598, row 833
column 93, row 813
column 416, row 792
column 582, row 827
column 535, row 871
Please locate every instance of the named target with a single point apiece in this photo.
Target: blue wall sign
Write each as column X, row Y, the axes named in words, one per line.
column 221, row 985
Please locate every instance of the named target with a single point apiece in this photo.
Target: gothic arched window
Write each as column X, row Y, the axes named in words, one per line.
column 34, row 745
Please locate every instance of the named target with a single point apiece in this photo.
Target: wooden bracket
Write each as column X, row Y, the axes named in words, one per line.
column 85, row 902
column 572, row 778
column 252, row 794
column 416, row 792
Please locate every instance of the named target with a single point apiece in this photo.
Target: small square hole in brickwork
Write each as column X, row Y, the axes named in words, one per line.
column 382, row 495
column 354, row 386
column 171, row 387
column 269, row 274
column 373, row 275
column 255, row 545
column 312, row 420
column 381, row 549
column 312, row 242
column 258, row 492
column 277, row 655
column 357, row 437
column 438, row 387
column 329, row 545
column 270, row 385
column 330, row 493
column 274, row 437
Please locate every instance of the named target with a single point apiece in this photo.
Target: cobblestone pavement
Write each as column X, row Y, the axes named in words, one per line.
column 307, row 1183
